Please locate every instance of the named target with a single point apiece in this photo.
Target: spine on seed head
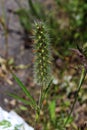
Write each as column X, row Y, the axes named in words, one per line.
column 42, row 54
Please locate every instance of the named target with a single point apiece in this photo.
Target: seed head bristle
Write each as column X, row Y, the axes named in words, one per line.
column 42, row 54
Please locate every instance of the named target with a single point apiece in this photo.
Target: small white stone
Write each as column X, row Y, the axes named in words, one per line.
column 14, row 119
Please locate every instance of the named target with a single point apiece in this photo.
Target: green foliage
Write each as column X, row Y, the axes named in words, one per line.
column 52, row 108
column 5, row 124
column 56, row 122
column 76, row 12
column 82, row 78
column 18, row 126
column 21, row 99
column 33, row 9
column 36, row 9
column 42, row 55
column 60, row 123
column 46, row 90
column 65, row 37
column 32, row 102
column 62, row 39
column 42, row 69
column 24, row 18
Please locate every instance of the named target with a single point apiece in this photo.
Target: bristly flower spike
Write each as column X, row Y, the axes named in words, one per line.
column 42, row 54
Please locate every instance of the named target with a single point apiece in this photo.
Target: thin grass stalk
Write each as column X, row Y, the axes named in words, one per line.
column 42, row 62
column 82, row 78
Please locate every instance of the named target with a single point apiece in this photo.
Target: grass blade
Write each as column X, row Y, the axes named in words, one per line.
column 52, row 107
column 82, row 78
column 23, row 87
column 46, row 91
column 33, row 9
column 24, row 19
column 48, row 87
column 21, row 99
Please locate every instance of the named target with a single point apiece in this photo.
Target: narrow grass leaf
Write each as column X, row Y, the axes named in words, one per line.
column 33, row 9
column 24, row 18
column 21, row 99
column 52, row 107
column 82, row 78
column 48, row 87
column 23, row 87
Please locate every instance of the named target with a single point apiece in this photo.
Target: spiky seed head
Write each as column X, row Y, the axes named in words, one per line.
column 42, row 54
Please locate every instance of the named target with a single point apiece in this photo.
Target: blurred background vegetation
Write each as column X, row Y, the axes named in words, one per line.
column 66, row 21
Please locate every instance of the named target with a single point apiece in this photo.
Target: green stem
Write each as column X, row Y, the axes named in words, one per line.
column 41, row 98
column 83, row 74
column 37, row 117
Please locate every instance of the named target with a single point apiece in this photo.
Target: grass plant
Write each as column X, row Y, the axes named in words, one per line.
column 42, row 69
column 42, row 76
